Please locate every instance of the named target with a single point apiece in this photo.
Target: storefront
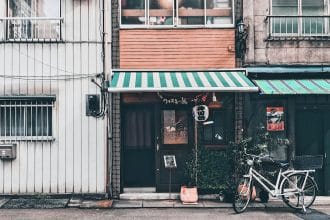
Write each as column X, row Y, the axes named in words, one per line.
column 158, row 119
column 300, row 99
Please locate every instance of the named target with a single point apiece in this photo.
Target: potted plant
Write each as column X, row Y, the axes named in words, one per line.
column 189, row 192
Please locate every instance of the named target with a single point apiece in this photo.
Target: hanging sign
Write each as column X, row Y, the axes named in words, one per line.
column 275, row 118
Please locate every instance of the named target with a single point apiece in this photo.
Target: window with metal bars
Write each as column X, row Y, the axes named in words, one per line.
column 26, row 119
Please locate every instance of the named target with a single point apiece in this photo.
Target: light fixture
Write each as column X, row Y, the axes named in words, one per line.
column 241, row 27
column 215, row 103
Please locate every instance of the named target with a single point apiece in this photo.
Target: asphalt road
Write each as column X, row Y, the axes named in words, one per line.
column 159, row 214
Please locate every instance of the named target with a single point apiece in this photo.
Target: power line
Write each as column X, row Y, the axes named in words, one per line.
column 48, row 78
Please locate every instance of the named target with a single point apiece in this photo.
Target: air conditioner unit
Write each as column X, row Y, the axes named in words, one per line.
column 8, row 151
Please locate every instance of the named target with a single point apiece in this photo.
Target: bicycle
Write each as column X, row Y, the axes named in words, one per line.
column 297, row 188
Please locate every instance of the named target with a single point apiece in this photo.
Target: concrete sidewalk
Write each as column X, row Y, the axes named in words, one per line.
column 273, row 203
column 76, row 202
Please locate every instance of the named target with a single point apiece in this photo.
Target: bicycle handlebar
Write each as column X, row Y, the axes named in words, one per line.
column 258, row 156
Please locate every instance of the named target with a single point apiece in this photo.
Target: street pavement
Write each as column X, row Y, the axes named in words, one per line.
column 320, row 213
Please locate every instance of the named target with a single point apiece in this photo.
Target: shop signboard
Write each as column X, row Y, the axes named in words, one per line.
column 275, row 118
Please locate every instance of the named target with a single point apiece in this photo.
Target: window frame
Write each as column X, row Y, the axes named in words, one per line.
column 175, row 24
column 300, row 31
column 7, row 20
column 35, row 102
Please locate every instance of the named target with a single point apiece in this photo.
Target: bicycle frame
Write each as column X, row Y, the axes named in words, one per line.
column 274, row 190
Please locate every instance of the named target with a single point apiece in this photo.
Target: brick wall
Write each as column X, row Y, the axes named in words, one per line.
column 116, row 136
column 115, row 178
column 239, row 100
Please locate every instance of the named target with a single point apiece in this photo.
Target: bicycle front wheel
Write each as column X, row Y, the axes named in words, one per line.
column 295, row 195
column 242, row 195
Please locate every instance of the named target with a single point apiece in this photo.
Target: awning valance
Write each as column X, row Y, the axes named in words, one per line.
column 180, row 81
column 294, row 86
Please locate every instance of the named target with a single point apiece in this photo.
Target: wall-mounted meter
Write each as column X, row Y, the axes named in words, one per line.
column 200, row 112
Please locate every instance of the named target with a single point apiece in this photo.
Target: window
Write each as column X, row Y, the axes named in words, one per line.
column 26, row 119
column 218, row 132
column 299, row 17
column 33, row 19
column 175, row 127
column 165, row 13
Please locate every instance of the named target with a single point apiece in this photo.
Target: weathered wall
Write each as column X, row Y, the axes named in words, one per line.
column 260, row 51
column 177, row 48
column 76, row 161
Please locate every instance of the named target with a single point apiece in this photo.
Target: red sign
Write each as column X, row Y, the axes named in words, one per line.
column 275, row 119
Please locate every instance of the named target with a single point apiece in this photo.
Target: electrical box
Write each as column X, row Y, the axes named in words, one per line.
column 8, row 151
column 92, row 105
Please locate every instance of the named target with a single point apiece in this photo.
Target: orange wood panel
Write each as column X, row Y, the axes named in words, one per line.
column 177, row 48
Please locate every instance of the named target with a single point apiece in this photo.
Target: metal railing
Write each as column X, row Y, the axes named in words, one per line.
column 30, row 28
column 298, row 26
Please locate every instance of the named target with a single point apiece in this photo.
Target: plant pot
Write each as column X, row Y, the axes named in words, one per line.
column 189, row 194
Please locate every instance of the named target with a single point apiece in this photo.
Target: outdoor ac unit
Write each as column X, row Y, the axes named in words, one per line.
column 8, row 151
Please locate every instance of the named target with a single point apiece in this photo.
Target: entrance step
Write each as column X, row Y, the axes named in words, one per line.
column 140, row 190
column 148, row 196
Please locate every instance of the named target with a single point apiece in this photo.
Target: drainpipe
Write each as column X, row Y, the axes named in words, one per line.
column 107, row 44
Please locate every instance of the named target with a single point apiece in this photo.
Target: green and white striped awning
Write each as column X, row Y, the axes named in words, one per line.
column 294, row 86
column 180, row 81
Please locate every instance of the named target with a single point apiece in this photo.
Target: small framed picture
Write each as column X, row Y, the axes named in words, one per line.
column 169, row 161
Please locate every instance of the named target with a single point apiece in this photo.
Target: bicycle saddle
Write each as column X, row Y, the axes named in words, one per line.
column 283, row 165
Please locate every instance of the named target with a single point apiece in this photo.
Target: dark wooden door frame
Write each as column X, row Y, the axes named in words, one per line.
column 169, row 147
column 125, row 107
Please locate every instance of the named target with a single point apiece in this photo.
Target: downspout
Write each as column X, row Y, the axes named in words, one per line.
column 107, row 45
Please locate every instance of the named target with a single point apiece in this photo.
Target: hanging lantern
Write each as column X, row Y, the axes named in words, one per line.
column 215, row 103
column 200, row 112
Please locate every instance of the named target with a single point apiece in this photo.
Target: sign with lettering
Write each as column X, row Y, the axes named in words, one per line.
column 169, row 161
column 275, row 118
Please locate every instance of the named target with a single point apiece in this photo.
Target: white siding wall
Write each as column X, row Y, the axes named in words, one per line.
column 76, row 161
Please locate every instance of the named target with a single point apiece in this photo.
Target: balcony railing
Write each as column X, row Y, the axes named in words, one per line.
column 30, row 29
column 298, row 26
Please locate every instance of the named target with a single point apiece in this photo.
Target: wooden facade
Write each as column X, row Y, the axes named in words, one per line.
column 75, row 161
column 177, row 48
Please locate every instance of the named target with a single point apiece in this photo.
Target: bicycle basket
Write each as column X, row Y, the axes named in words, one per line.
column 306, row 162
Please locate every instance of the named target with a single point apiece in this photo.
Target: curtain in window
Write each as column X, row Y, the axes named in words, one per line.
column 138, row 129
column 286, row 25
column 312, row 25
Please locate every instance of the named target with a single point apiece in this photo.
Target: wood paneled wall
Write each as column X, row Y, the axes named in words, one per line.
column 177, row 48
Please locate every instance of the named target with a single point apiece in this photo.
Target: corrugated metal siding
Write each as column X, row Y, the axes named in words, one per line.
column 177, row 48
column 76, row 160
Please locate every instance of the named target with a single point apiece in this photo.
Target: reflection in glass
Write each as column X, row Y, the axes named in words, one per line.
column 191, row 12
column 218, row 12
column 161, row 12
column 175, row 127
column 133, row 12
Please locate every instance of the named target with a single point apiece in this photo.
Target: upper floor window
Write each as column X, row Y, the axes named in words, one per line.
column 33, row 20
column 172, row 13
column 299, row 18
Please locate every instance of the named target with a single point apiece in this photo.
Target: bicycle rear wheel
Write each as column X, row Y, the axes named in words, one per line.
column 295, row 199
column 242, row 195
